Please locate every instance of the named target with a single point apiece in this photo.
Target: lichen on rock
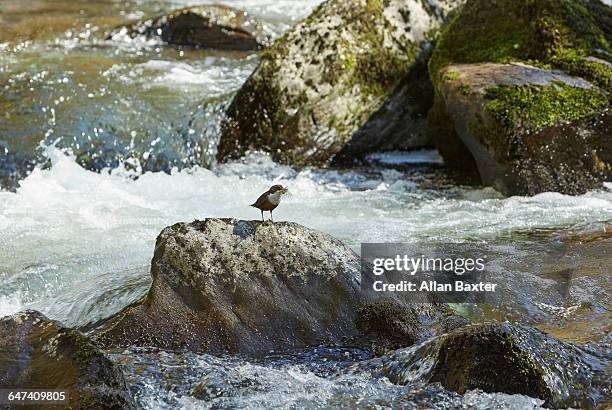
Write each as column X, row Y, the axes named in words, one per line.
column 321, row 81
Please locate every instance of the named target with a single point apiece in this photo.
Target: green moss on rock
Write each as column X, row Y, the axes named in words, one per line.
column 38, row 353
column 451, row 75
column 575, row 63
column 393, row 320
column 84, row 350
column 490, row 359
column 572, row 36
column 536, row 106
column 532, row 31
column 505, row 358
column 387, row 324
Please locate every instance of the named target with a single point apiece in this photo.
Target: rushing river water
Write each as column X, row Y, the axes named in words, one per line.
column 76, row 243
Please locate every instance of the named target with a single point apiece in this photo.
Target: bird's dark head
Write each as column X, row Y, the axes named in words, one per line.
column 278, row 188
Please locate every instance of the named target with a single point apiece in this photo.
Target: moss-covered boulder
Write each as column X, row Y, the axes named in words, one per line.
column 542, row 125
column 500, row 357
column 387, row 325
column 318, row 85
column 528, row 130
column 212, row 26
column 38, row 353
column 223, row 285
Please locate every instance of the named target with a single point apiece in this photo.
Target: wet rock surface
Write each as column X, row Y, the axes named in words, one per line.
column 38, row 353
column 310, row 378
column 223, row 285
column 525, row 130
column 322, row 81
column 387, row 324
column 226, row 285
column 497, row 111
column 500, row 357
column 211, row 26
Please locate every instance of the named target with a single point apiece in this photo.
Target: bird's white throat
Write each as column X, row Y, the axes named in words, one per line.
column 274, row 198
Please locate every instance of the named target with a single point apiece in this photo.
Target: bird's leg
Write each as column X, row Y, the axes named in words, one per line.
column 262, row 217
column 271, row 217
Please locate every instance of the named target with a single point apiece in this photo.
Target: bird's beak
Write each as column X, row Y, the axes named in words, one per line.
column 284, row 191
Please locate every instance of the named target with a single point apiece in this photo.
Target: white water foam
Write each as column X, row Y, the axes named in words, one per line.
column 291, row 10
column 9, row 305
column 426, row 156
column 216, row 74
column 312, row 379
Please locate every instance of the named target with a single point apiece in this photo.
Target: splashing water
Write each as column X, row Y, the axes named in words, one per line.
column 311, row 378
column 119, row 101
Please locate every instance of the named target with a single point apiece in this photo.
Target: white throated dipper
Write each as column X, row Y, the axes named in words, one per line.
column 269, row 200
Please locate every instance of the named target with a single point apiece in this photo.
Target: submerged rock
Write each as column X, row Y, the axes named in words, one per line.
column 505, row 358
column 222, row 285
column 317, row 87
column 38, row 353
column 526, row 129
column 211, row 26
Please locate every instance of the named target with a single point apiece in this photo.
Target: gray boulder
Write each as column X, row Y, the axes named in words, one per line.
column 38, row 353
column 212, row 26
column 318, row 86
column 223, row 285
